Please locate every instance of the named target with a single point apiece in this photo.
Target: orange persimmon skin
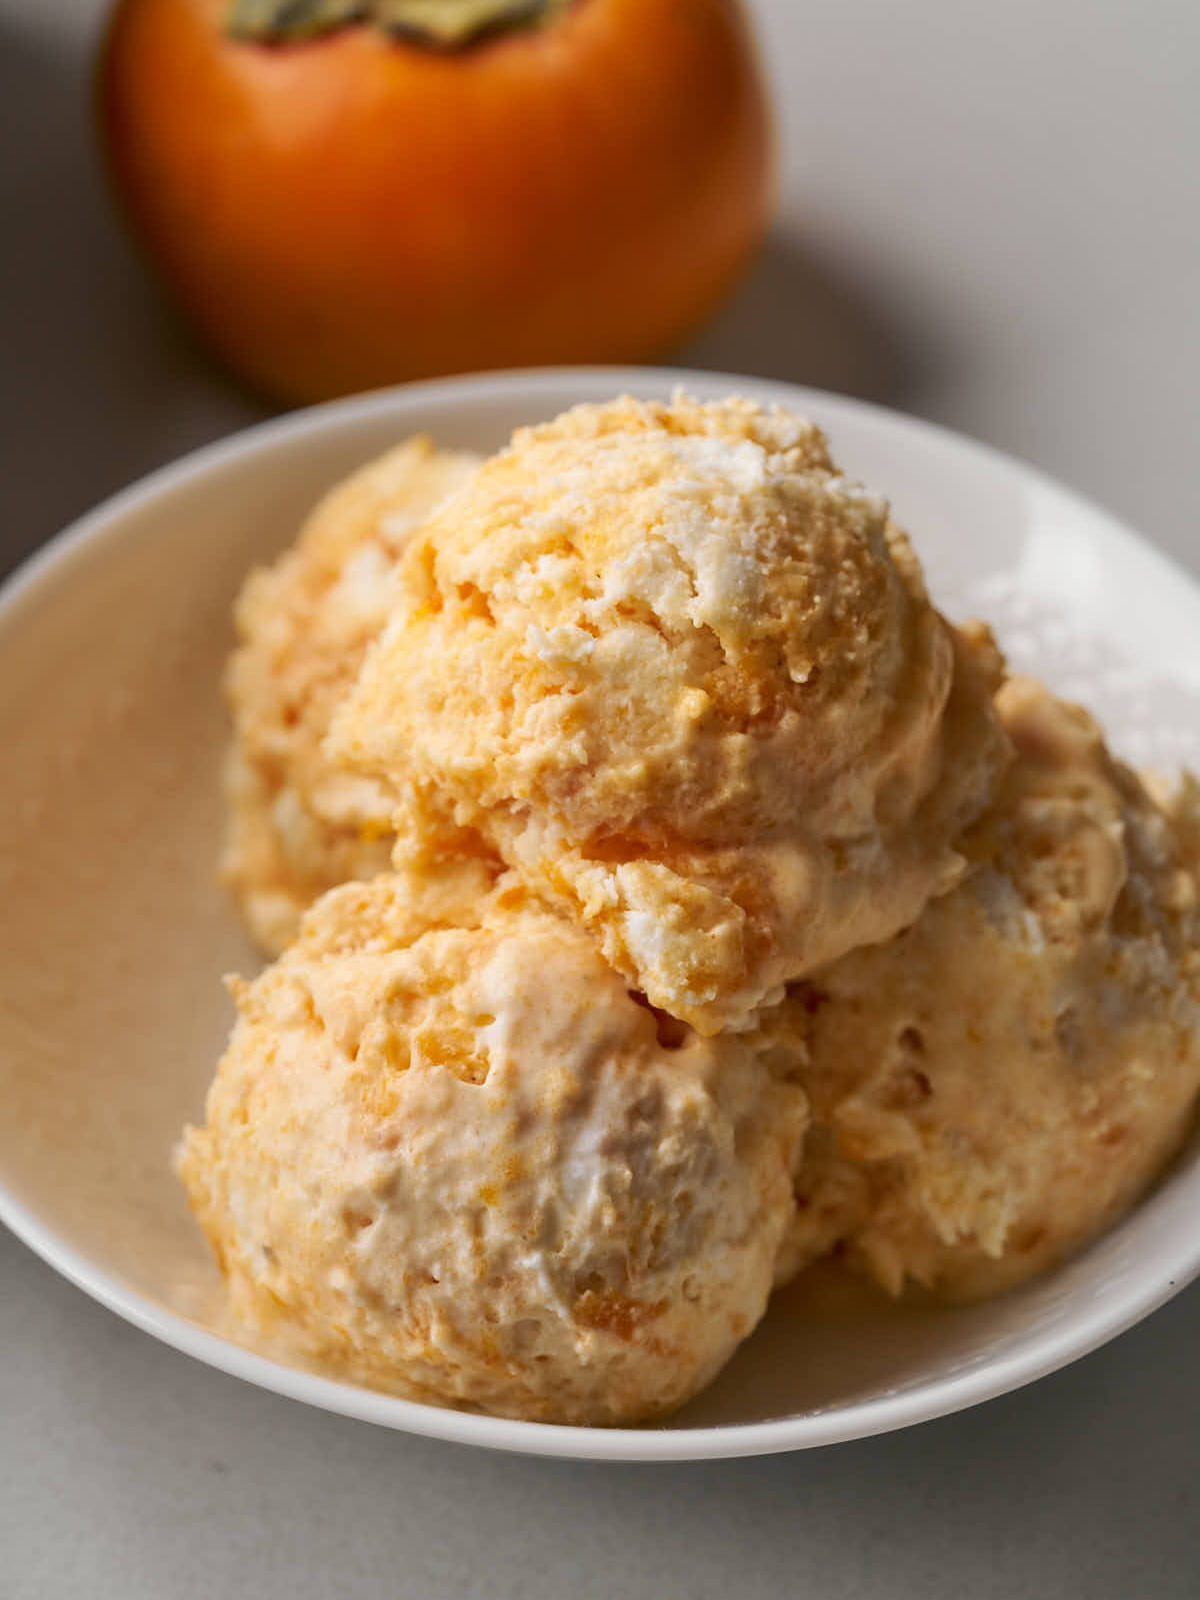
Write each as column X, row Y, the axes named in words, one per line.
column 356, row 210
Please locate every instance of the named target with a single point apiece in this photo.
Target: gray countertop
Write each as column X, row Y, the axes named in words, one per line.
column 989, row 216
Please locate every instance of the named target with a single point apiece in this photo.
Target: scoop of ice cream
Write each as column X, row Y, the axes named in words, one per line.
column 998, row 1083
column 299, row 824
column 686, row 678
column 447, row 1153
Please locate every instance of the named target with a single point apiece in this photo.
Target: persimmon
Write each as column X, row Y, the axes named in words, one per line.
column 346, row 193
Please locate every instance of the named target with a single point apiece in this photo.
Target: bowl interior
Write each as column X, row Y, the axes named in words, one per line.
column 115, row 933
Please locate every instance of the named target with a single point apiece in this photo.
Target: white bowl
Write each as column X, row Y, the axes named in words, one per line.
column 115, row 932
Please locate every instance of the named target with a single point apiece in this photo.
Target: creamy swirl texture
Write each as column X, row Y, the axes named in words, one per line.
column 447, row 1152
column 684, row 676
column 997, row 1084
column 300, row 823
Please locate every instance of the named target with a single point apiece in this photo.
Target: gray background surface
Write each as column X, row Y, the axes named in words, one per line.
column 989, row 215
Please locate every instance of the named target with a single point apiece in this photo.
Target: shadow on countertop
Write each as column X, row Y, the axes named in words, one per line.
column 793, row 319
column 99, row 382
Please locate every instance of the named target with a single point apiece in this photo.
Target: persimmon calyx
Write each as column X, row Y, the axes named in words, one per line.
column 440, row 24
